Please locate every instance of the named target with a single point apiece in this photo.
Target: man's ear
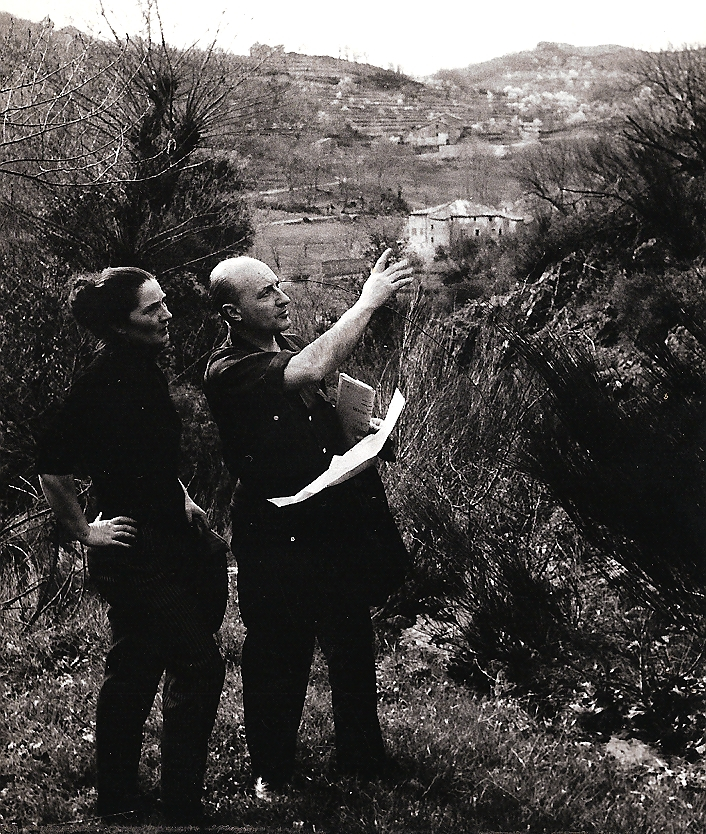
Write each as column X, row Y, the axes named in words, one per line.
column 231, row 312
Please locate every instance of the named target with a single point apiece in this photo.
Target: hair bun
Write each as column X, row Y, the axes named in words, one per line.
column 82, row 300
column 104, row 300
column 80, row 285
column 83, row 281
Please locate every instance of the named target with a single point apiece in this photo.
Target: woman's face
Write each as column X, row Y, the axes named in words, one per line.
column 148, row 323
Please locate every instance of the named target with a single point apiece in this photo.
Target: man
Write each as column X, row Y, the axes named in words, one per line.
column 308, row 571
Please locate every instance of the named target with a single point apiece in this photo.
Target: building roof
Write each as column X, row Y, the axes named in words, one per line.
column 462, row 208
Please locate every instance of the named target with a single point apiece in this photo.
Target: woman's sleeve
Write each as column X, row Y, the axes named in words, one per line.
column 62, row 446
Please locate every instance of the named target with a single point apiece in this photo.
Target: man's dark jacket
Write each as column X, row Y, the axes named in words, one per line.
column 274, row 443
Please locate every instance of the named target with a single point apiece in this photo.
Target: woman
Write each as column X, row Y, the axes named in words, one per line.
column 148, row 547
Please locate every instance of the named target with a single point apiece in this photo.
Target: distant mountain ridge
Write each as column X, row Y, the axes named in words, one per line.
column 547, row 56
column 554, row 87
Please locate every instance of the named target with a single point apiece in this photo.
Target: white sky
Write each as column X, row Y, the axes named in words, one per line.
column 418, row 36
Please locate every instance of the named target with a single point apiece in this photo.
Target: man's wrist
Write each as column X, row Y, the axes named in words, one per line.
column 364, row 308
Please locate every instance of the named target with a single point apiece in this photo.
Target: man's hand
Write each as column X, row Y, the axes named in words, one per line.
column 373, row 427
column 117, row 532
column 384, row 281
column 388, row 451
column 326, row 353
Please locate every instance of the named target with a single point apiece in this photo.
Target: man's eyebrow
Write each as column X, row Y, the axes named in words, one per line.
column 268, row 287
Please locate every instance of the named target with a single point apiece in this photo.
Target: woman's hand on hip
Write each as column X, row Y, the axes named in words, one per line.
column 120, row 531
column 194, row 514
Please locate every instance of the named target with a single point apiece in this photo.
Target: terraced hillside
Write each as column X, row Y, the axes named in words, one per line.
column 555, row 87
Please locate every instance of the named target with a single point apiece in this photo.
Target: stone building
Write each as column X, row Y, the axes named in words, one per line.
column 445, row 129
column 445, row 225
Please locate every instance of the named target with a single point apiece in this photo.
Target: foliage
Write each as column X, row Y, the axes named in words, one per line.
column 630, row 473
column 39, row 348
column 189, row 223
column 464, row 763
column 39, row 570
column 640, row 192
column 523, row 597
column 477, row 268
column 107, row 148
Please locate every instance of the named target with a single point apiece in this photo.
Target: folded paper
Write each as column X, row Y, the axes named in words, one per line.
column 355, row 460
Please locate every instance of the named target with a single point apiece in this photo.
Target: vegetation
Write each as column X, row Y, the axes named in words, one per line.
column 542, row 669
column 466, row 763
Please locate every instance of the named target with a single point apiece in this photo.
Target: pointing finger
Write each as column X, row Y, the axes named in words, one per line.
column 382, row 260
column 399, row 264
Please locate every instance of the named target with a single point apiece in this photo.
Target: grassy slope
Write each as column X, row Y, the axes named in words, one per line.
column 466, row 764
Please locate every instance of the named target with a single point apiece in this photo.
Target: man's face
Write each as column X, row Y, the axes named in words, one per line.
column 262, row 305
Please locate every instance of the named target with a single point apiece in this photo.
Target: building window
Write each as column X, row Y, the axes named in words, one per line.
column 500, row 231
column 477, row 232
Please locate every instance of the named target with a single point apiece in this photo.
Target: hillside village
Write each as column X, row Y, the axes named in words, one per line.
column 443, row 144
column 340, row 139
column 556, row 88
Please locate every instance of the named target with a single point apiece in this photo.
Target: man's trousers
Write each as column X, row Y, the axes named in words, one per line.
column 289, row 600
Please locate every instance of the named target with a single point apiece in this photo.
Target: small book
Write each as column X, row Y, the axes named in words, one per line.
column 354, row 405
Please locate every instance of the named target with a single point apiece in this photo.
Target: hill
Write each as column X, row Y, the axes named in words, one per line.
column 547, row 62
column 554, row 87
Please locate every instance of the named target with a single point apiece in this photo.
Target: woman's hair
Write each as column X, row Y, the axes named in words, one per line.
column 103, row 302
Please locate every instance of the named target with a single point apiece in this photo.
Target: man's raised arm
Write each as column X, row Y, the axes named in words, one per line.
column 327, row 352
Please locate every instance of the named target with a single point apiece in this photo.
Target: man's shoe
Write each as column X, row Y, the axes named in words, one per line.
column 263, row 792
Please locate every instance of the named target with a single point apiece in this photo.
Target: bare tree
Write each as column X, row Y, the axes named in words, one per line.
column 53, row 88
column 650, row 177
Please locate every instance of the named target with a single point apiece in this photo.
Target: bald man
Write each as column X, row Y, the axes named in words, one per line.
column 309, row 571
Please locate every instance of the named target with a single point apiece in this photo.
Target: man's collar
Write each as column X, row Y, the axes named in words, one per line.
column 237, row 340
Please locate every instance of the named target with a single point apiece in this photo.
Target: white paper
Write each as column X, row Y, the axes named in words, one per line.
column 357, row 458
